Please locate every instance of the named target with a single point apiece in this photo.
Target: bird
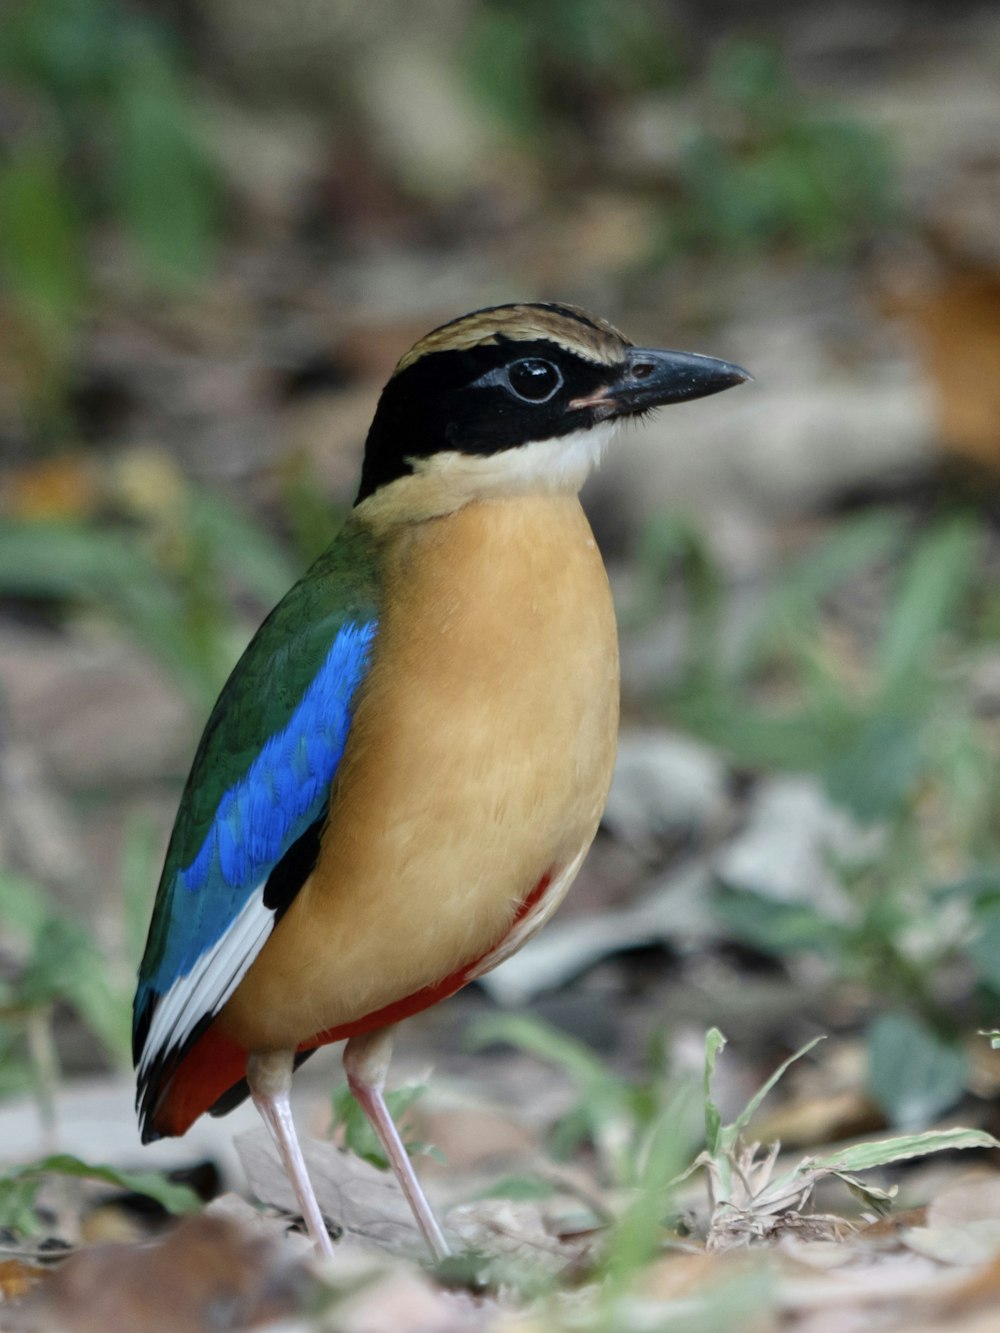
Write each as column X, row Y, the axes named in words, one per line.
column 403, row 774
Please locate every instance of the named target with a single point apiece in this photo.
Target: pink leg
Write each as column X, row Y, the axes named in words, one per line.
column 366, row 1062
column 269, row 1074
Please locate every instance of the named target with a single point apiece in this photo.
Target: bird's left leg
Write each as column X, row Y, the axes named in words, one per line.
column 366, row 1063
column 269, row 1074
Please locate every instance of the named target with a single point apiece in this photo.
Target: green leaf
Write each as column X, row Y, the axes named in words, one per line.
column 715, row 1043
column 142, row 854
column 548, row 1043
column 985, row 948
column 877, row 772
column 778, row 928
column 878, row 1200
column 40, row 232
column 674, row 544
column 17, row 1205
column 796, row 597
column 242, row 546
column 938, row 576
column 502, row 67
column 980, row 885
column 24, row 904
column 912, row 1073
column 606, row 1114
column 637, row 1233
column 19, row 1185
column 62, row 962
column 520, row 1187
column 883, row 1152
column 358, row 1133
column 164, row 189
column 732, row 1132
column 71, row 563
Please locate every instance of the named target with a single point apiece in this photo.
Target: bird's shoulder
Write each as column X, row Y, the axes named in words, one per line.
column 338, row 593
column 314, row 644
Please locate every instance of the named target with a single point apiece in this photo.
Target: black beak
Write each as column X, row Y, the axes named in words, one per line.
column 653, row 378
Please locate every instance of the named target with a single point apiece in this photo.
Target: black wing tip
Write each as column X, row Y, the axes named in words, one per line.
column 142, row 1015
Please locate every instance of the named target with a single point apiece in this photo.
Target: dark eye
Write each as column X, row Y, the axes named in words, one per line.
column 534, row 380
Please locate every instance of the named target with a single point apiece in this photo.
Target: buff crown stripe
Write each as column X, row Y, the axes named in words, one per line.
column 567, row 326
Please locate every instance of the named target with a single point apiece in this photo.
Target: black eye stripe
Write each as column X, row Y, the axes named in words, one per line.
column 534, row 380
column 464, row 399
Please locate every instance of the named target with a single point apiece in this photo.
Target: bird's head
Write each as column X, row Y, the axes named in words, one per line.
column 515, row 399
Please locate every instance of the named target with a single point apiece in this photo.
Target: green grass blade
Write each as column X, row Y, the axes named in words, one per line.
column 19, row 1184
column 715, row 1043
column 932, row 586
column 883, row 1152
column 732, row 1132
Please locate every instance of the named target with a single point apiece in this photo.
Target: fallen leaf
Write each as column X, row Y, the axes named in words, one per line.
column 504, row 1229
column 958, row 322
column 207, row 1273
column 408, row 1300
column 663, row 784
column 964, row 1245
column 678, row 1276
column 17, row 1278
column 972, row 1200
column 889, row 1228
column 963, row 1225
column 983, row 1288
column 58, row 488
column 471, row 1137
column 269, row 1223
column 792, row 834
column 818, row 1119
column 353, row 1196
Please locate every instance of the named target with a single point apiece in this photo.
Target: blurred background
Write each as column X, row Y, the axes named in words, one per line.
column 222, row 222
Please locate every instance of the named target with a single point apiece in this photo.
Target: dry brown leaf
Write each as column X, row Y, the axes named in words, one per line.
column 963, row 1225
column 981, row 1289
column 504, row 1229
column 738, row 1228
column 205, row 1274
column 268, row 1223
column 889, row 1227
column 109, row 1222
column 823, row 1255
column 59, row 488
column 17, row 1278
column 364, row 1202
column 959, row 324
column 966, row 1244
column 406, row 1300
column 973, row 1199
column 678, row 1276
column 819, row 1120
column 472, row 1137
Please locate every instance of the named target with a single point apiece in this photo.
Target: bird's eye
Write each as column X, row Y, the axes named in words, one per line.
column 534, row 380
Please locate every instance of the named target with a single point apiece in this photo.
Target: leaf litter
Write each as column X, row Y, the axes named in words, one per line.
column 763, row 1260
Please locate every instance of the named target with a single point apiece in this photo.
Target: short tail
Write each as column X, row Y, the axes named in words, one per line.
column 171, row 1097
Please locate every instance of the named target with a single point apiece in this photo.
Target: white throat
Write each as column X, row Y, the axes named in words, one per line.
column 560, row 464
column 445, row 481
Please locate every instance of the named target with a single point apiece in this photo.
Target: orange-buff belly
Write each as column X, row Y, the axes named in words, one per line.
column 215, row 1063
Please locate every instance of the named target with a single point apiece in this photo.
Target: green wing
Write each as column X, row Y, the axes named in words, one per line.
column 255, row 798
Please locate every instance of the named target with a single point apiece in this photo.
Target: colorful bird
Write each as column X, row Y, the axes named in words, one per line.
column 404, row 772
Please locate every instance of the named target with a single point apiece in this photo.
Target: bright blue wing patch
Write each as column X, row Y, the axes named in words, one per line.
column 284, row 791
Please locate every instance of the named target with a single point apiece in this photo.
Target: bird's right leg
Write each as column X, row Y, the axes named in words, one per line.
column 366, row 1063
column 269, row 1074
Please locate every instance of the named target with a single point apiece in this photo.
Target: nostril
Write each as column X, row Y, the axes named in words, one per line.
column 642, row 370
